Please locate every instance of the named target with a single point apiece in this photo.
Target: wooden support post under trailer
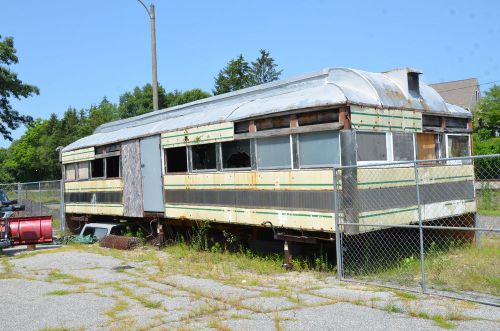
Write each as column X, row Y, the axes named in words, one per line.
column 263, row 157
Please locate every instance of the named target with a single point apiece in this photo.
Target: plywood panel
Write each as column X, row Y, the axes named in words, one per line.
column 83, row 154
column 132, row 180
column 199, row 135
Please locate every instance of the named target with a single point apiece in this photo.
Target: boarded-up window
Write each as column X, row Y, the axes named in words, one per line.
column 372, row 146
column 70, row 170
column 402, row 146
column 176, row 159
column 427, row 146
column 457, row 145
column 274, row 153
column 204, row 157
column 278, row 122
column 318, row 117
column 83, row 170
column 236, row 154
column 319, row 149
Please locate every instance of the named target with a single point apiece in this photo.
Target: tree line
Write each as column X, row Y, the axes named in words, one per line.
column 34, row 156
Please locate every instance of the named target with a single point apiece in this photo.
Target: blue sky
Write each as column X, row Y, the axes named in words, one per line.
column 77, row 52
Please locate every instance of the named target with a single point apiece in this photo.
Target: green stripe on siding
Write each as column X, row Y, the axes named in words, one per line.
column 239, row 185
column 197, row 132
column 389, row 212
column 452, row 177
column 117, row 189
column 381, row 115
column 388, row 182
column 94, row 205
column 77, row 153
column 193, row 208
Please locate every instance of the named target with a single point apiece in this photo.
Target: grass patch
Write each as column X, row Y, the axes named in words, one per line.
column 463, row 267
column 239, row 317
column 67, row 279
column 130, row 294
column 392, row 308
column 218, row 326
column 406, row 295
column 67, row 292
column 442, row 322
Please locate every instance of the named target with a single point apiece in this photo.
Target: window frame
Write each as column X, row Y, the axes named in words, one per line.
column 290, row 145
column 300, row 166
column 389, row 145
column 165, row 161
column 447, row 151
column 190, row 159
column 220, row 156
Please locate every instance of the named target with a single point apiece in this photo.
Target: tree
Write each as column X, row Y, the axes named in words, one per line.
column 234, row 76
column 177, row 97
column 489, row 109
column 239, row 74
column 11, row 86
column 264, row 69
column 140, row 101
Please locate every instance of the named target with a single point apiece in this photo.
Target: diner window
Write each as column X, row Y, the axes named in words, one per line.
column 176, row 159
column 403, row 146
column 427, row 146
column 236, row 154
column 204, row 157
column 431, row 121
column 70, row 171
column 241, row 127
column 319, row 149
column 459, row 123
column 274, row 152
column 83, row 170
column 97, row 166
column 372, row 146
column 112, row 167
column 457, row 145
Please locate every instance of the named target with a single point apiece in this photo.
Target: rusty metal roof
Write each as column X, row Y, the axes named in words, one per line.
column 323, row 88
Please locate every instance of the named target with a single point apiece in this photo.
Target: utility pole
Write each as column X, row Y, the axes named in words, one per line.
column 151, row 14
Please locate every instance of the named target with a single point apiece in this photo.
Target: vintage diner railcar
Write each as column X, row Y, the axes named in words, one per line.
column 264, row 156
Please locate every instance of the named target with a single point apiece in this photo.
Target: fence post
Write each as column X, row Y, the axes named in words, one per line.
column 421, row 230
column 40, row 197
column 61, row 206
column 19, row 194
column 338, row 244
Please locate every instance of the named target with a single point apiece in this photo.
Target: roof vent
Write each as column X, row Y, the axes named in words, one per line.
column 414, row 83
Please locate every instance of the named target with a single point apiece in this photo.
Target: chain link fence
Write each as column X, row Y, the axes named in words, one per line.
column 40, row 199
column 430, row 226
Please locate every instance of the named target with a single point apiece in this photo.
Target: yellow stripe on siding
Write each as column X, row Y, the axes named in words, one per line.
column 107, row 185
column 199, row 135
column 78, row 155
column 95, row 209
column 372, row 119
column 306, row 220
column 265, row 180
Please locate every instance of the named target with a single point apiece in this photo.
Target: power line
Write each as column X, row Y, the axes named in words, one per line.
column 461, row 88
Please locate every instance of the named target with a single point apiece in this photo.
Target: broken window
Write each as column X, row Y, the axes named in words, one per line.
column 113, row 167
column 83, row 170
column 372, row 146
column 203, row 157
column 453, row 122
column 427, row 146
column 176, row 159
column 402, row 146
column 432, row 121
column 319, row 149
column 97, row 168
column 274, row 152
column 70, row 171
column 241, row 127
column 236, row 154
column 457, row 145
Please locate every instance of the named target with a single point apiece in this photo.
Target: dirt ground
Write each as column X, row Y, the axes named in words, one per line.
column 67, row 288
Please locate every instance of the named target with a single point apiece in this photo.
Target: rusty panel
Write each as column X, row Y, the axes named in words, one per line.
column 83, row 154
column 199, row 135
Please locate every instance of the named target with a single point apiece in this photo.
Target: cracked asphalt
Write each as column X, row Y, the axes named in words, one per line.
column 59, row 289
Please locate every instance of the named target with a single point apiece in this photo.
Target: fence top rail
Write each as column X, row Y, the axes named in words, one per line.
column 416, row 162
column 41, row 182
